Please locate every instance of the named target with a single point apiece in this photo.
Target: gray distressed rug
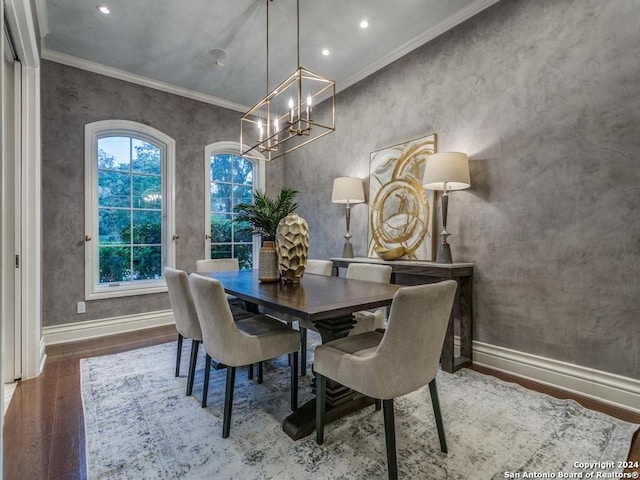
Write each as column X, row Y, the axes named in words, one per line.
column 140, row 425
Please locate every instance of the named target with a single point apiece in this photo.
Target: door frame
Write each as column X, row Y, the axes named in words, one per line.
column 20, row 20
column 11, row 242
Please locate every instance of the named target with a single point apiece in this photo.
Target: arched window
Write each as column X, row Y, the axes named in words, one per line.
column 128, row 208
column 231, row 179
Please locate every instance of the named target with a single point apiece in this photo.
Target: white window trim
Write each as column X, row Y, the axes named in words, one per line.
column 259, row 182
column 93, row 131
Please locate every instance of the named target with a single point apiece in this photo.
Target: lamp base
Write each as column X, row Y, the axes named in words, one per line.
column 347, row 250
column 443, row 254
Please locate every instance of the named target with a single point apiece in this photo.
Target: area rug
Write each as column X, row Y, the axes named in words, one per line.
column 140, row 425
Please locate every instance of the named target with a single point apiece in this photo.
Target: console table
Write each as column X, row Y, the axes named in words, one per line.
column 463, row 307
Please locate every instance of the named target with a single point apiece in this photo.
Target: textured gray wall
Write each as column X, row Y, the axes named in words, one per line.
column 72, row 98
column 544, row 95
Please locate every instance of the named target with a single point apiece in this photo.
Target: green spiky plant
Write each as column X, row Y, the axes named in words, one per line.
column 263, row 215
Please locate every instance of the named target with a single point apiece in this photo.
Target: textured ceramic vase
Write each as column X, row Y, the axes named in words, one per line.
column 268, row 263
column 292, row 242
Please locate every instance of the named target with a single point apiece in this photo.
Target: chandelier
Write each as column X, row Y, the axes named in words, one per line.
column 284, row 119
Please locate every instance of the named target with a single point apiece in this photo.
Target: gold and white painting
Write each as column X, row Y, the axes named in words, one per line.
column 401, row 210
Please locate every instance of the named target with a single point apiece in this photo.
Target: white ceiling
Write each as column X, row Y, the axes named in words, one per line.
column 167, row 43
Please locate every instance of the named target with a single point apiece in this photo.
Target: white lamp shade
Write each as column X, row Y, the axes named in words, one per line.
column 347, row 190
column 449, row 167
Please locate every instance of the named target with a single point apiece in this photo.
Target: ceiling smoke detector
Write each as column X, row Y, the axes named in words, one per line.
column 219, row 56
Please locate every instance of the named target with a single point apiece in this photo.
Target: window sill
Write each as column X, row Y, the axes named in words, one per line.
column 124, row 291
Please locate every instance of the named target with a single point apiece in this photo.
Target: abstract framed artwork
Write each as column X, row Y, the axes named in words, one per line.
column 401, row 211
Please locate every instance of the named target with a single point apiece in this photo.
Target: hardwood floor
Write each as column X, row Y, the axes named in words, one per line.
column 44, row 429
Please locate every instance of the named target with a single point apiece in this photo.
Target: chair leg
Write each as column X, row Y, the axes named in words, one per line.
column 228, row 401
column 195, row 345
column 321, row 390
column 205, row 386
column 178, row 355
column 378, row 404
column 293, row 358
column 303, row 351
column 436, row 411
column 390, row 436
column 260, row 372
column 250, row 372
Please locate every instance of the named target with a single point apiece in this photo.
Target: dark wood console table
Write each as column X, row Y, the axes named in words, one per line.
column 461, row 273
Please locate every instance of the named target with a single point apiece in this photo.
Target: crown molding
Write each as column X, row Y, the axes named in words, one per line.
column 98, row 68
column 425, row 37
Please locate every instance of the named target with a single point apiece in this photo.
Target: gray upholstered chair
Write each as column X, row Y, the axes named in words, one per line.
column 186, row 318
column 217, row 265
column 319, row 267
column 367, row 321
column 314, row 267
column 247, row 341
column 385, row 366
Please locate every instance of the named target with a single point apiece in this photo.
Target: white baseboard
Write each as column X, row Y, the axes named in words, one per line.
column 73, row 332
column 616, row 390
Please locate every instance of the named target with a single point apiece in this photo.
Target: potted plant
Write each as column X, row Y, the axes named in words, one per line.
column 262, row 218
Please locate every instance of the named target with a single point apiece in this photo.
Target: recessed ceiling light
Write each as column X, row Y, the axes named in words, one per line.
column 364, row 24
column 104, row 9
column 325, row 52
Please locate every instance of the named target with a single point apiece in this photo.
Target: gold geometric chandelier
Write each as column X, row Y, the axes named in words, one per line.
column 284, row 120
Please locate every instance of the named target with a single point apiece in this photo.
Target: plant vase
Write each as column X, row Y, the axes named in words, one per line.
column 268, row 263
column 292, row 240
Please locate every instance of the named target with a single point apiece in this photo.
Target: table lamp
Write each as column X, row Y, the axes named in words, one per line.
column 446, row 171
column 347, row 190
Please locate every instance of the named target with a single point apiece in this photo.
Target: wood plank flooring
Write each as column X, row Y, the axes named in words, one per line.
column 44, row 429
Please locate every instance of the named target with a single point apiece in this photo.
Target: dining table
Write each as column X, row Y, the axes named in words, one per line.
column 327, row 302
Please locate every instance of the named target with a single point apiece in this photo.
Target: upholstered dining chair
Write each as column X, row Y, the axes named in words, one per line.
column 186, row 318
column 217, row 265
column 367, row 321
column 250, row 340
column 394, row 363
column 314, row 267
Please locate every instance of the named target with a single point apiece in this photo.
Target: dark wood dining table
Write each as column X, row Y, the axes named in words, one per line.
column 328, row 302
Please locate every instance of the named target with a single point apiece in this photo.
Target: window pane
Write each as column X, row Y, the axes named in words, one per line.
column 113, row 189
column 147, row 263
column 221, row 251
column 114, row 264
column 114, row 153
column 147, row 227
column 114, row 226
column 221, row 168
column 145, row 157
column 231, row 183
column 147, row 191
column 242, row 194
column 220, row 197
column 220, row 228
column 244, row 254
column 242, row 171
column 241, row 237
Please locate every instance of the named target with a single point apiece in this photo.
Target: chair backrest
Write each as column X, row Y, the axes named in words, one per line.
column 217, row 265
column 415, row 333
column 369, row 272
column 184, row 310
column 319, row 267
column 222, row 339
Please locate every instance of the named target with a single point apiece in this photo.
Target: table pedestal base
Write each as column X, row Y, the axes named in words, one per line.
column 340, row 400
column 302, row 422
